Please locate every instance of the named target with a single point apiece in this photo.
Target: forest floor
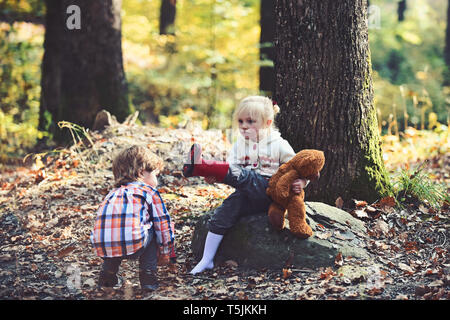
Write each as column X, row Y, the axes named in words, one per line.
column 48, row 206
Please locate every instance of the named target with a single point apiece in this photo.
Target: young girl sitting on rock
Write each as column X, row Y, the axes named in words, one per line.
column 255, row 157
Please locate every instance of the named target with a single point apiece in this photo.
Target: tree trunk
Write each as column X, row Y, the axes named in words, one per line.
column 82, row 69
column 324, row 89
column 167, row 17
column 401, row 10
column 267, row 50
column 447, row 49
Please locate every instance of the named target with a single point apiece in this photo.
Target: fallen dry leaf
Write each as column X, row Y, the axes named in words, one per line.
column 375, row 291
column 231, row 263
column 232, row 279
column 381, row 227
column 323, row 235
column 405, row 267
column 386, row 202
column 339, row 261
column 339, row 203
column 360, row 214
column 64, row 252
column 360, row 203
column 286, row 273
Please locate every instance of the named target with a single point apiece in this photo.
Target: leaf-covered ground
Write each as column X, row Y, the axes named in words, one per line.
column 48, row 206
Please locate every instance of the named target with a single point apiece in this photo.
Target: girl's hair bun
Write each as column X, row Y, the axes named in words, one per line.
column 276, row 108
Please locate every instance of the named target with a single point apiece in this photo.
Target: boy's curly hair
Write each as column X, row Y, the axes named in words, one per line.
column 130, row 163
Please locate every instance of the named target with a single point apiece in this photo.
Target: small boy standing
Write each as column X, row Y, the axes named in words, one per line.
column 132, row 221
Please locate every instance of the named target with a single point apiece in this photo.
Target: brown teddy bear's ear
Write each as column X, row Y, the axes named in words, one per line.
column 283, row 168
column 309, row 162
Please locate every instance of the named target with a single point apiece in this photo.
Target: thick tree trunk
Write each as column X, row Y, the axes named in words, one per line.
column 167, row 17
column 324, row 89
column 267, row 50
column 82, row 69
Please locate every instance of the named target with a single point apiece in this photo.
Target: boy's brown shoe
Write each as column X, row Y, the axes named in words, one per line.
column 149, row 280
column 109, row 280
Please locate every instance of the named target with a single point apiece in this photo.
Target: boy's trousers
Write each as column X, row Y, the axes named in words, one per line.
column 147, row 255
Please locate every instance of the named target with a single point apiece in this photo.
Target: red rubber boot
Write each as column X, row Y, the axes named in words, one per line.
column 199, row 167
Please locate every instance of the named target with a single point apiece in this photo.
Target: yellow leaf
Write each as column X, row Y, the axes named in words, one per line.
column 169, row 196
column 411, row 38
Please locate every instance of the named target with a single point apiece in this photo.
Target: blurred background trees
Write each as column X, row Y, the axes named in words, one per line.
column 209, row 58
column 82, row 69
column 167, row 16
column 266, row 49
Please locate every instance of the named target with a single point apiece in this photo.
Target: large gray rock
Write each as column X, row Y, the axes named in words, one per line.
column 253, row 243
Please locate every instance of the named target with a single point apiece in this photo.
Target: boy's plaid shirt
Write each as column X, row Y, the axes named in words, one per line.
column 124, row 217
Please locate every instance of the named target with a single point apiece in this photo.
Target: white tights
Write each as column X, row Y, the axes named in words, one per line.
column 212, row 242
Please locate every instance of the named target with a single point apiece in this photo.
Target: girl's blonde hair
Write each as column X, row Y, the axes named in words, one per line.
column 129, row 164
column 257, row 106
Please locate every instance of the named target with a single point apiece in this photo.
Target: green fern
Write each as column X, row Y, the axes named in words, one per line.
column 415, row 187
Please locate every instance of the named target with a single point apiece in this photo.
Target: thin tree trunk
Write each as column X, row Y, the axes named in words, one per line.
column 401, row 10
column 267, row 51
column 167, row 17
column 324, row 89
column 447, row 49
column 82, row 69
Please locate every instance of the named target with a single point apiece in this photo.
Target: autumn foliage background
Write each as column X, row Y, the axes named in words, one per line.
column 207, row 67
column 192, row 81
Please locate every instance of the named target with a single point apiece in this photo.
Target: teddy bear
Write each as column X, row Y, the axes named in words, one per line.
column 305, row 164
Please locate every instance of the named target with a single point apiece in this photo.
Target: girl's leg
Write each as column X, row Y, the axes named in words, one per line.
column 212, row 242
column 253, row 186
column 224, row 217
column 196, row 166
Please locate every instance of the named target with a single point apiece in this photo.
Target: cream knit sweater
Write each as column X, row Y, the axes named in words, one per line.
column 264, row 156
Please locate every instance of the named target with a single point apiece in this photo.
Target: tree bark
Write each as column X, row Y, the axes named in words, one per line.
column 167, row 17
column 324, row 89
column 267, row 50
column 401, row 10
column 82, row 69
column 447, row 49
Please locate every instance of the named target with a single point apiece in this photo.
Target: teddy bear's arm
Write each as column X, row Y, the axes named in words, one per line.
column 274, row 179
column 284, row 183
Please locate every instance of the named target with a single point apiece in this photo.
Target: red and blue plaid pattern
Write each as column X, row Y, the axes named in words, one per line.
column 124, row 218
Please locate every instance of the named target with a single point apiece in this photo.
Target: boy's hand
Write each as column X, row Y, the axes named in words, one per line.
column 163, row 260
column 173, row 256
column 210, row 179
column 298, row 185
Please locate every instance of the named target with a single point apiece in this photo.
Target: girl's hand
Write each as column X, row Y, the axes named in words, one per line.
column 210, row 179
column 298, row 185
